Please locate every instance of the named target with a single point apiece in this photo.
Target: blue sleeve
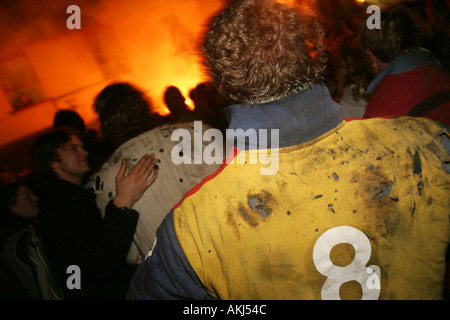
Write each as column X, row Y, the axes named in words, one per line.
column 166, row 274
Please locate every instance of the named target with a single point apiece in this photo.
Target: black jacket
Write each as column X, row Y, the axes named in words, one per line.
column 74, row 233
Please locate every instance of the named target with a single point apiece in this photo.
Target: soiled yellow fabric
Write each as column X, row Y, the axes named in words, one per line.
column 377, row 185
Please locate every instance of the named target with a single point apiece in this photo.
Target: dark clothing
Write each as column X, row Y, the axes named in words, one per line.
column 74, row 233
column 10, row 286
column 25, row 255
column 11, row 224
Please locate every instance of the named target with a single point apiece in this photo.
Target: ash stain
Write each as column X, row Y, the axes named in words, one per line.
column 413, row 210
column 417, row 169
column 116, row 158
column 250, row 218
column 390, row 151
column 378, row 195
column 417, row 164
column 385, row 190
column 258, row 208
column 330, row 207
column 282, row 184
column 420, row 186
column 97, row 183
column 231, row 221
column 392, row 223
column 262, row 203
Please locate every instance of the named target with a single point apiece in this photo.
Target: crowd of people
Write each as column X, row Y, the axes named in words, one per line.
column 362, row 117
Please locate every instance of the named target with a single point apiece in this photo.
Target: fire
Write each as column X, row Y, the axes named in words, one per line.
column 159, row 43
column 152, row 44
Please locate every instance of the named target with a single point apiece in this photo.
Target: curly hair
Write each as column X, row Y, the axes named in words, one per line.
column 261, row 50
column 398, row 33
column 124, row 112
column 350, row 68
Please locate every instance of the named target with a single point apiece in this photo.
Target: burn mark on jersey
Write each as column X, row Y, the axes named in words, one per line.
column 262, row 202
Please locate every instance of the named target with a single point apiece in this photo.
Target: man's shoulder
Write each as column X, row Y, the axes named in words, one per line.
column 426, row 77
column 400, row 122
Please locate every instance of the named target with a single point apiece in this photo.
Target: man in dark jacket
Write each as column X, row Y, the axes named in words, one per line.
column 86, row 252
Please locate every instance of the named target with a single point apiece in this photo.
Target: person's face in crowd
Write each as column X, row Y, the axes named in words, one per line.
column 26, row 205
column 73, row 162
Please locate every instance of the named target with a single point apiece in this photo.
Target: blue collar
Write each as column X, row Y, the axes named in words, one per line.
column 299, row 117
column 405, row 62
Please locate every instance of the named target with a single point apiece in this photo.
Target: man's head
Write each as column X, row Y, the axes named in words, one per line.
column 175, row 101
column 398, row 33
column 261, row 50
column 124, row 112
column 60, row 154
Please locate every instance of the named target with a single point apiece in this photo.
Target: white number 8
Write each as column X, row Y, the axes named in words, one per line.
column 368, row 277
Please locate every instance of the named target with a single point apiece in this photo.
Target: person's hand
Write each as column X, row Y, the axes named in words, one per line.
column 131, row 187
